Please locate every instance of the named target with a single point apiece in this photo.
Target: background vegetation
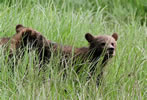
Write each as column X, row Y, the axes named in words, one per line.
column 66, row 22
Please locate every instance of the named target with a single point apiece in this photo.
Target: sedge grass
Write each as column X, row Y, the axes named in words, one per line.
column 66, row 23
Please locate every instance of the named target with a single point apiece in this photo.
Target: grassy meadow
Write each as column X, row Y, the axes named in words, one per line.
column 66, row 22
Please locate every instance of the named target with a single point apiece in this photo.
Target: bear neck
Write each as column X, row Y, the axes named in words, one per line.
column 94, row 53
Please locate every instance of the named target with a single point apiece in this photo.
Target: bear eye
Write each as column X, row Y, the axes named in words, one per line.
column 103, row 44
column 112, row 44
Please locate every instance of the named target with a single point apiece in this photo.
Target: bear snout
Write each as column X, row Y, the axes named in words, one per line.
column 111, row 50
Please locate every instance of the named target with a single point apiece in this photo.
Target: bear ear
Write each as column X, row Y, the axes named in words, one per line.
column 89, row 37
column 19, row 27
column 115, row 36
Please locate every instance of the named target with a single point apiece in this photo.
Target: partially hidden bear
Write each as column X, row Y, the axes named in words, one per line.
column 102, row 45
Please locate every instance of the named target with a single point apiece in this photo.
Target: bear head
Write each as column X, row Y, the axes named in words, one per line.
column 29, row 36
column 103, row 44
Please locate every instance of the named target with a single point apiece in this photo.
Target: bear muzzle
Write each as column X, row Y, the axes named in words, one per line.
column 110, row 52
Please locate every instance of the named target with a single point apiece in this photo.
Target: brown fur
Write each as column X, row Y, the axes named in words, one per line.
column 97, row 46
column 28, row 37
column 3, row 41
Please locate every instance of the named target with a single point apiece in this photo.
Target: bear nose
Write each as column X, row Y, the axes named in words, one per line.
column 111, row 49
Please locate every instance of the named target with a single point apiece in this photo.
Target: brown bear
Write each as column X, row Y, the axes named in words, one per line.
column 27, row 37
column 102, row 45
column 5, row 40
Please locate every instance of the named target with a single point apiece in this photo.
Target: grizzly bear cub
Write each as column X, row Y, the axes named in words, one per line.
column 102, row 45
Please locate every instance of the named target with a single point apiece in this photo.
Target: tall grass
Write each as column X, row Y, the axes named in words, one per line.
column 66, row 22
